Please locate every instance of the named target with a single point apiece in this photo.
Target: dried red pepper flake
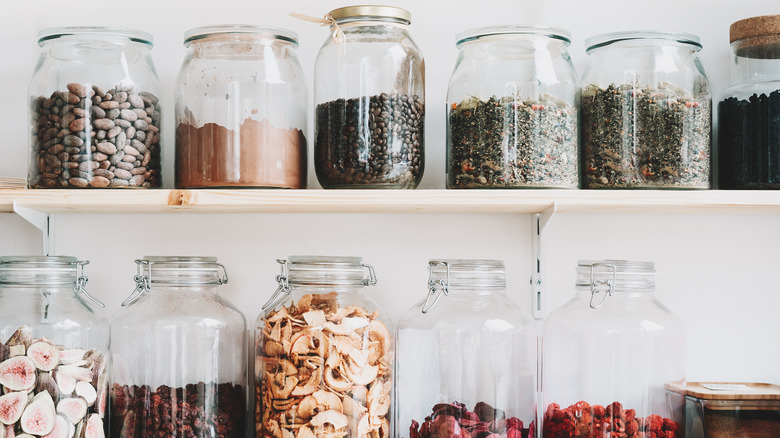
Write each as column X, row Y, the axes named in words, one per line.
column 583, row 420
column 454, row 420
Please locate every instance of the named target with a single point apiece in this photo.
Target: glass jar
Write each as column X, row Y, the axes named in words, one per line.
column 179, row 354
column 610, row 353
column 748, row 153
column 94, row 110
column 241, row 109
column 512, row 107
column 53, row 347
column 646, row 113
column 466, row 361
column 324, row 353
column 369, row 89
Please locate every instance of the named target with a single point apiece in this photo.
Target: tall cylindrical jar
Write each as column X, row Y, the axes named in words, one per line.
column 512, row 108
column 324, row 353
column 241, row 106
column 466, row 361
column 179, row 354
column 53, row 349
column 613, row 357
column 748, row 153
column 94, row 109
column 369, row 92
column 646, row 113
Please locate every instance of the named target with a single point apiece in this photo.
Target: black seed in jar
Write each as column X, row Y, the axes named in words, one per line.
column 370, row 141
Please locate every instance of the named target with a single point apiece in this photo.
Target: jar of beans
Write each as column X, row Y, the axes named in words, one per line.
column 646, row 113
column 324, row 353
column 466, row 362
column 613, row 357
column 512, row 110
column 94, row 110
column 178, row 354
column 369, row 92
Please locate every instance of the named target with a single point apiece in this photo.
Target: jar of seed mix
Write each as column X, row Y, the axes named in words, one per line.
column 369, row 92
column 94, row 110
column 324, row 353
column 512, row 110
column 609, row 356
column 646, row 113
column 466, row 357
column 748, row 152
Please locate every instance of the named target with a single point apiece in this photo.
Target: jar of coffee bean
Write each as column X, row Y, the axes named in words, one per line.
column 369, row 89
column 94, row 110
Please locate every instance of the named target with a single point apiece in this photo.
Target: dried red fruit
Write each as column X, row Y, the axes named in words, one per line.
column 453, row 420
column 594, row 421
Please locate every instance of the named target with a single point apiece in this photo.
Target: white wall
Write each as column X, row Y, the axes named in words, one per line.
column 719, row 272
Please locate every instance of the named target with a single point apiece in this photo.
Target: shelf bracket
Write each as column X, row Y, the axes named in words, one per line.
column 42, row 221
column 539, row 222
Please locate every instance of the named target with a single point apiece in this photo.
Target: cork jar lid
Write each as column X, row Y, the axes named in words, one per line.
column 758, row 37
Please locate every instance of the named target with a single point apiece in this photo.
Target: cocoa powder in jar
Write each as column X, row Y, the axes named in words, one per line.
column 259, row 155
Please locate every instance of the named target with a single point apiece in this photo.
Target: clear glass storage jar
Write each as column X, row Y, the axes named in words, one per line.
column 241, row 106
column 512, row 107
column 748, row 152
column 609, row 354
column 324, row 353
column 94, row 110
column 466, row 361
column 53, row 349
column 646, row 113
column 369, row 92
column 178, row 354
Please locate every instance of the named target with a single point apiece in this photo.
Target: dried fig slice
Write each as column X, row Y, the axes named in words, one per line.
column 78, row 373
column 72, row 356
column 11, row 407
column 45, row 355
column 94, row 427
column 75, row 409
column 62, row 428
column 65, row 383
column 18, row 373
column 39, row 416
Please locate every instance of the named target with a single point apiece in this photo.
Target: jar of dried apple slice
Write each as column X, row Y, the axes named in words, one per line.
column 324, row 353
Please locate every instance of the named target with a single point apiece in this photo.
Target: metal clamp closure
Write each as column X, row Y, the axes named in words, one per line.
column 432, row 286
column 284, row 285
column 81, row 283
column 371, row 280
column 597, row 286
column 143, row 282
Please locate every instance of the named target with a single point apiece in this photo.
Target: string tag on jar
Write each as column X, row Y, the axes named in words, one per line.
column 81, row 283
column 284, row 285
column 607, row 286
column 142, row 282
column 327, row 20
column 434, row 284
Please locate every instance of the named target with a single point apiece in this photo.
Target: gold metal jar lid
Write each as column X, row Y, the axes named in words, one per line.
column 372, row 11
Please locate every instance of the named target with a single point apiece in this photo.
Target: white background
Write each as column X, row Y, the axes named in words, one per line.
column 719, row 272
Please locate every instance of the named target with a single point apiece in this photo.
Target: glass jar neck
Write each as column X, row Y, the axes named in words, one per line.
column 55, row 273
column 756, row 61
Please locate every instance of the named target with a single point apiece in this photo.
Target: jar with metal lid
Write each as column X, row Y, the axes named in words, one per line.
column 512, row 107
column 178, row 354
column 53, row 347
column 646, row 112
column 748, row 153
column 241, row 107
column 610, row 353
column 94, row 110
column 369, row 90
column 467, row 359
column 324, row 353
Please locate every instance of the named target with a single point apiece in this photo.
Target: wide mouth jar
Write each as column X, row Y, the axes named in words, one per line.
column 95, row 34
column 239, row 33
column 642, row 38
column 377, row 13
column 511, row 32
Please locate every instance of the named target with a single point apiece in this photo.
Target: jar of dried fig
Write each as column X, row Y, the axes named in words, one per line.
column 94, row 110
column 53, row 347
column 466, row 357
column 178, row 354
column 324, row 353
column 613, row 357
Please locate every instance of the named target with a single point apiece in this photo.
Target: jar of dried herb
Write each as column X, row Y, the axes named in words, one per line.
column 323, row 353
column 646, row 113
column 748, row 152
column 512, row 110
column 609, row 356
column 466, row 357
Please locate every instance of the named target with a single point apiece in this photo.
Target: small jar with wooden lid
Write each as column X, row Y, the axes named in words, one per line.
column 748, row 152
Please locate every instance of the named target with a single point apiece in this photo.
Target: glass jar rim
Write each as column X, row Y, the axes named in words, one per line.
column 43, row 260
column 606, row 39
column 194, row 269
column 40, row 270
column 508, row 30
column 123, row 32
column 468, row 273
column 198, row 33
column 371, row 11
column 626, row 274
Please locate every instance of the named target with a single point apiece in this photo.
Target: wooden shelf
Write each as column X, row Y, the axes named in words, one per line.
column 391, row 201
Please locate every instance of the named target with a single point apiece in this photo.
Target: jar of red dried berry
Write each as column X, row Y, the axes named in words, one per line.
column 466, row 360
column 324, row 353
column 609, row 356
column 178, row 354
